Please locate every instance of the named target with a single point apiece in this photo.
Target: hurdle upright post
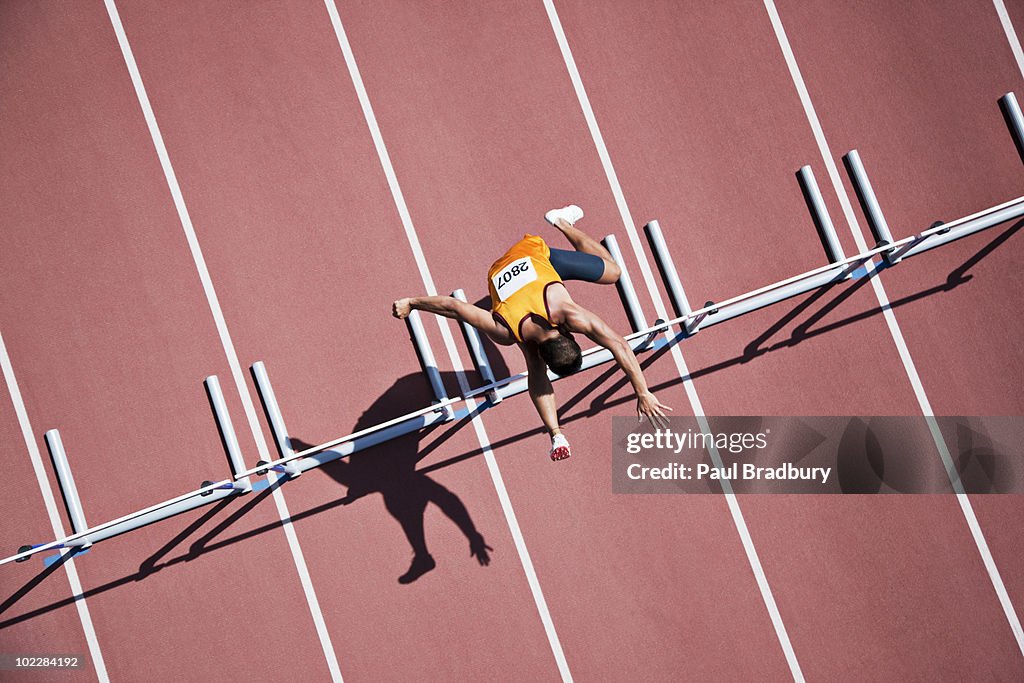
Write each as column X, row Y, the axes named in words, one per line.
column 68, row 490
column 1014, row 121
column 476, row 349
column 227, row 432
column 820, row 216
column 274, row 418
column 625, row 286
column 427, row 361
column 869, row 202
column 669, row 275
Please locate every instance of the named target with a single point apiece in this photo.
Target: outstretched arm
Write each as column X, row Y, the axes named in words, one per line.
column 450, row 307
column 583, row 321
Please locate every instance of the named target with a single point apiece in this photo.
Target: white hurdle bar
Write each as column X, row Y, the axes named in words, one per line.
column 477, row 351
column 68, row 490
column 427, row 361
column 227, row 432
column 950, row 232
column 1014, row 121
column 135, row 520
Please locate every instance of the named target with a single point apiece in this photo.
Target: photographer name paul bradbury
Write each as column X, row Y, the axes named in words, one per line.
column 734, row 472
column 734, row 442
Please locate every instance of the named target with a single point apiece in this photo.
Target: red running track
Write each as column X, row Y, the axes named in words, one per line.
column 110, row 333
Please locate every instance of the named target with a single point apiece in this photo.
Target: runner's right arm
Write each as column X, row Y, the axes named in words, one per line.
column 450, row 307
column 541, row 391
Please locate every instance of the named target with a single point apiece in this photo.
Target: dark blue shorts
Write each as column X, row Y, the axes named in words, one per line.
column 576, row 265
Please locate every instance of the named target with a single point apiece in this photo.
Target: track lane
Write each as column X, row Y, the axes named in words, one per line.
column 471, row 172
column 964, row 342
column 110, row 337
column 844, row 603
column 302, row 237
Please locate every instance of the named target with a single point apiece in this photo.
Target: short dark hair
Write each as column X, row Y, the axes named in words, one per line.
column 562, row 354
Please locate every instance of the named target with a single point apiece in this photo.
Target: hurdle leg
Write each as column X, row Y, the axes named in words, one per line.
column 68, row 490
column 669, row 275
column 869, row 203
column 427, row 361
column 1014, row 121
column 227, row 432
column 274, row 418
column 820, row 216
column 625, row 287
column 476, row 349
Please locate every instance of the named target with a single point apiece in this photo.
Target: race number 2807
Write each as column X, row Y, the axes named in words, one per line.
column 513, row 277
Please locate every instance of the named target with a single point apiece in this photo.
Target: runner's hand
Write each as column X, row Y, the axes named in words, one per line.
column 401, row 308
column 647, row 404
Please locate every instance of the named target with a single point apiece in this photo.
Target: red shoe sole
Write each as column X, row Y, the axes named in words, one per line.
column 560, row 453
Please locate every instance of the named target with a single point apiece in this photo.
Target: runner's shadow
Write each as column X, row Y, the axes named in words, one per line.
column 390, row 469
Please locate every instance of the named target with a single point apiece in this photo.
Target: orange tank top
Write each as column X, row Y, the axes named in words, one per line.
column 518, row 281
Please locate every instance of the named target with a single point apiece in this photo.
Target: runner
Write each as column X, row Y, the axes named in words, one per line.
column 531, row 307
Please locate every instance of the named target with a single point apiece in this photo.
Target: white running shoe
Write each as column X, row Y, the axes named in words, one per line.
column 570, row 214
column 559, row 448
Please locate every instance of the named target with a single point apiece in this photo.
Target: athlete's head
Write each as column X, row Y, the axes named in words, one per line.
column 562, row 354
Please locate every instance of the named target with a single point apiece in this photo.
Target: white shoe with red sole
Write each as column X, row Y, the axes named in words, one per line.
column 559, row 448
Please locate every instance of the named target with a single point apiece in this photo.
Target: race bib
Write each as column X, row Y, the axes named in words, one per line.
column 514, row 277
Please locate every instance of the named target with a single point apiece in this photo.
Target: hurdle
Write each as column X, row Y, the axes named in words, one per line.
column 85, row 536
column 838, row 269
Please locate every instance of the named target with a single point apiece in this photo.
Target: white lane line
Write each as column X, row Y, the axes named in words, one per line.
column 894, row 329
column 225, row 337
column 677, row 356
column 1011, row 35
column 449, row 343
column 51, row 509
